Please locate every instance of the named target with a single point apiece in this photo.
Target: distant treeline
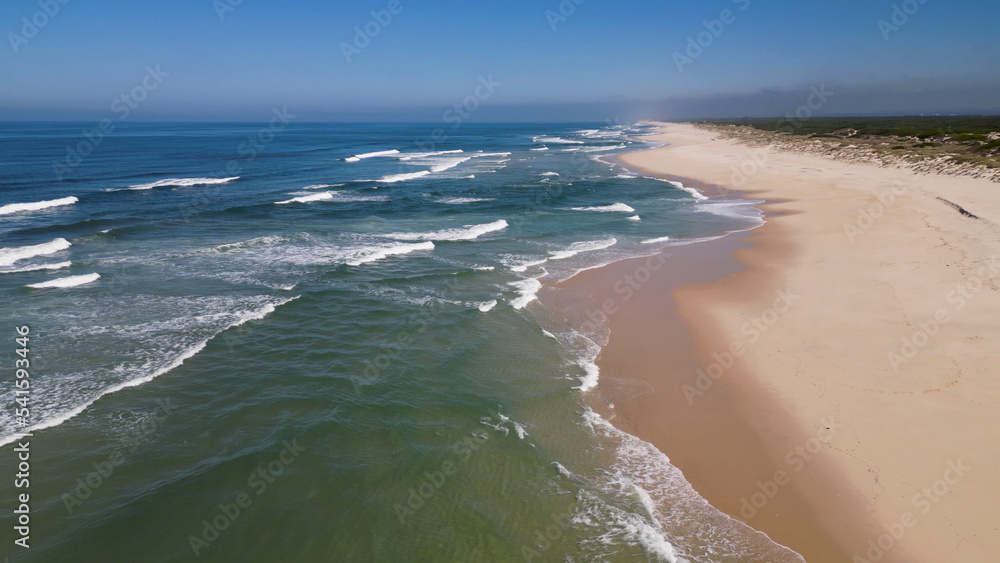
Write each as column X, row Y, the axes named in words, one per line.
column 960, row 128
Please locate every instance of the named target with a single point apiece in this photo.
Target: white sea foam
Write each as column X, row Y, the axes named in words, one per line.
column 526, row 265
column 12, row 208
column 635, row 218
column 71, row 281
column 375, row 253
column 251, row 243
column 449, row 164
column 556, row 140
column 539, row 149
column 185, row 355
column 322, row 196
column 413, row 155
column 181, row 183
column 614, row 208
column 585, row 246
column 626, row 176
column 655, row 240
column 487, row 306
column 602, row 149
column 550, row 173
column 561, row 469
column 641, row 471
column 56, row 266
column 14, row 253
column 393, row 178
column 341, row 197
column 694, row 193
column 321, row 186
column 743, row 209
column 468, row 232
column 527, row 292
column 363, row 156
column 461, row 200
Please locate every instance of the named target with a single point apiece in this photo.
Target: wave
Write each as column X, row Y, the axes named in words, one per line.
column 635, row 218
column 694, row 193
column 411, row 156
column 528, row 292
column 323, row 196
column 71, row 281
column 340, row 197
column 461, row 200
column 254, row 242
column 539, row 149
column 393, row 178
column 487, row 306
column 550, row 173
column 321, row 186
column 614, row 208
column 374, row 254
column 468, row 232
column 556, row 140
column 56, row 266
column 190, row 352
column 448, row 165
column 12, row 254
column 600, row 149
column 526, row 265
column 578, row 247
column 181, row 183
column 363, row 156
column 654, row 240
column 12, row 208
column 668, row 500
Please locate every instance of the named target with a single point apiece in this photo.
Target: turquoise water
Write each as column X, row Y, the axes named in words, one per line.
column 321, row 342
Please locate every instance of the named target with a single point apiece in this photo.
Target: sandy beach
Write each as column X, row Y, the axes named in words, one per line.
column 830, row 378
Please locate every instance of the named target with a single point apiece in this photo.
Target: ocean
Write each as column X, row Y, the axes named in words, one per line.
column 322, row 342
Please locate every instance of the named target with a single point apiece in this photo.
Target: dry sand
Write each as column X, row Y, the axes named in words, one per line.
column 848, row 433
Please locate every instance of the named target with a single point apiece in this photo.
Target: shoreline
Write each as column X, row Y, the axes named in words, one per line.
column 811, row 411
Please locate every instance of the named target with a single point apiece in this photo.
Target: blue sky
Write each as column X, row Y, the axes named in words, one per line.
column 553, row 60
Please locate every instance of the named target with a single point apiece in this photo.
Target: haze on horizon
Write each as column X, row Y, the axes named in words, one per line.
column 527, row 60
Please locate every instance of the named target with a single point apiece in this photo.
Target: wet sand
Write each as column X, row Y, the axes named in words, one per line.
column 814, row 432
